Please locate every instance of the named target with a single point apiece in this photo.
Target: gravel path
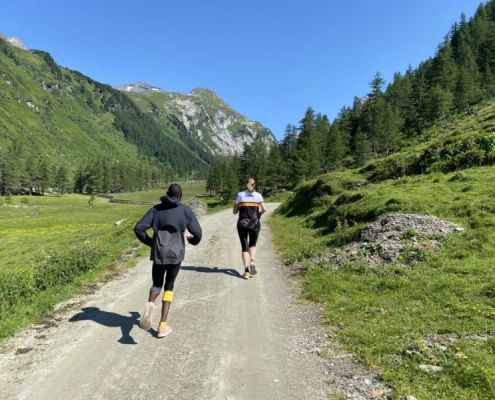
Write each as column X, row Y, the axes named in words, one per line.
column 231, row 339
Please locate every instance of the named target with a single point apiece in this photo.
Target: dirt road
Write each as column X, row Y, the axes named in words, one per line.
column 231, row 339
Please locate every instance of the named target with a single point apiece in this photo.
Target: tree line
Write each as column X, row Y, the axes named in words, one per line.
column 460, row 75
column 37, row 175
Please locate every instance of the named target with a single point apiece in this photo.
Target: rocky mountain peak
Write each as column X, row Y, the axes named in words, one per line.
column 203, row 120
column 138, row 87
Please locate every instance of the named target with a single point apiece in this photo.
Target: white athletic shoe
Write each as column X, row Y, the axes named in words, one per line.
column 145, row 321
column 252, row 268
column 162, row 332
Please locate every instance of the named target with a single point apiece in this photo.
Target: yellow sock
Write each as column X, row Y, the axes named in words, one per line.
column 162, row 324
column 168, row 295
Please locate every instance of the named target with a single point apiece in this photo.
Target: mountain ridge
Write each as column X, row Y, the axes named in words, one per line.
column 200, row 116
column 54, row 118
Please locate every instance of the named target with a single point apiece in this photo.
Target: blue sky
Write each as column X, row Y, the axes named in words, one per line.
column 268, row 59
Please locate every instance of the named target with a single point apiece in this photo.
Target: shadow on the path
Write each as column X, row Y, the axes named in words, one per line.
column 110, row 319
column 229, row 271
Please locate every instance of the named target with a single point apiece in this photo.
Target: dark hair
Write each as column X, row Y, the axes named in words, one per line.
column 174, row 190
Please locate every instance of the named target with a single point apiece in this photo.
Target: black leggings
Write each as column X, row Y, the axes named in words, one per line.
column 244, row 233
column 158, row 274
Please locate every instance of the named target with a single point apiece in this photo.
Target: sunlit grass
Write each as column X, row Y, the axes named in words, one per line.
column 386, row 315
column 32, row 225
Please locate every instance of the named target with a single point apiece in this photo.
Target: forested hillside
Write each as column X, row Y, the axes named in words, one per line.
column 392, row 117
column 62, row 130
column 56, row 124
column 423, row 147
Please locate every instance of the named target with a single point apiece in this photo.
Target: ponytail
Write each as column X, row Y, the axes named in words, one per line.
column 250, row 184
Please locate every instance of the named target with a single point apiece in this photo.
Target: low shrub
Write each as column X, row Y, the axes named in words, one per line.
column 57, row 268
column 392, row 167
column 450, row 155
column 62, row 268
column 15, row 286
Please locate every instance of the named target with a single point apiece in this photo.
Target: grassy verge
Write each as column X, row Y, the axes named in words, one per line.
column 52, row 247
column 278, row 197
column 32, row 302
column 430, row 309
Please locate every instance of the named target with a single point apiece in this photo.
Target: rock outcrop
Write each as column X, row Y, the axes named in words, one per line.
column 199, row 207
column 389, row 238
column 200, row 119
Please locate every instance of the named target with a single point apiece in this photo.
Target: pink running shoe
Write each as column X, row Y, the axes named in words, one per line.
column 162, row 332
column 145, row 321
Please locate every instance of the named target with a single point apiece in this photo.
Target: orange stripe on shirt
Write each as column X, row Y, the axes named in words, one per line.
column 248, row 204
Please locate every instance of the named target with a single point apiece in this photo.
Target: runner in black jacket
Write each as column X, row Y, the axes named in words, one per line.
column 169, row 220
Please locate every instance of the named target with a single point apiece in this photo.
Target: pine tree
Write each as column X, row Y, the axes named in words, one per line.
column 79, row 181
column 439, row 103
column 349, row 120
column 43, row 177
column 443, row 68
column 277, row 173
column 467, row 90
column 362, row 151
column 309, row 153
column 335, row 149
column 288, row 149
column 380, row 119
column 401, row 94
column 61, row 180
column 376, row 85
column 254, row 161
column 214, row 182
column 106, row 185
column 8, row 174
column 487, row 64
column 31, row 168
column 231, row 183
column 289, row 144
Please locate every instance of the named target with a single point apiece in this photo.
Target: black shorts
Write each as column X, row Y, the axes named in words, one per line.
column 158, row 274
column 248, row 237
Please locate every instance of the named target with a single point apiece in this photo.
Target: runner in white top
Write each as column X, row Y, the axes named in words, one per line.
column 250, row 206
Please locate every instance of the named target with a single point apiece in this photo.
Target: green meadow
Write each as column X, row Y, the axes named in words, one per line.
column 189, row 190
column 33, row 226
column 52, row 247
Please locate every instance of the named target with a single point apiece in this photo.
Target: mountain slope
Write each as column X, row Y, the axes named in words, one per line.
column 425, row 319
column 201, row 119
column 59, row 119
column 50, row 111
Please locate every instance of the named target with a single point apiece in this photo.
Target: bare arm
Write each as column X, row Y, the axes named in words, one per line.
column 263, row 209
